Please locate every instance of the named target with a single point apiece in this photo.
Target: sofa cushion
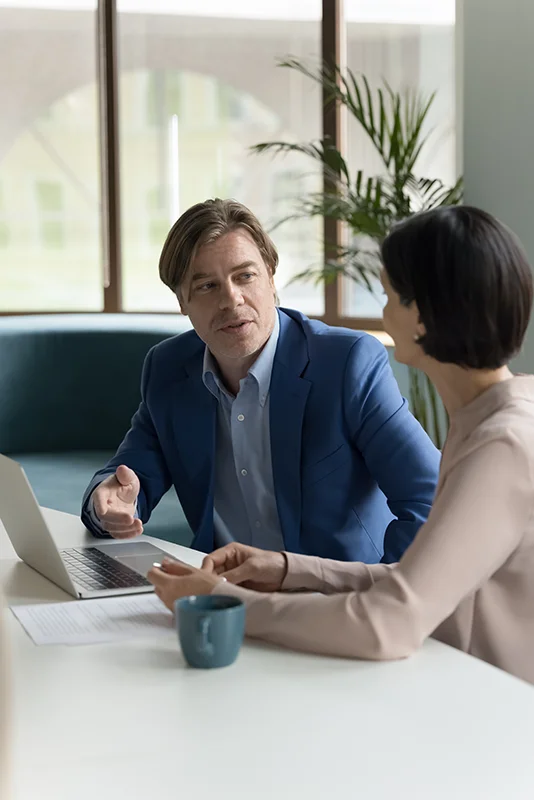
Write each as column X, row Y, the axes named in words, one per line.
column 60, row 479
column 71, row 382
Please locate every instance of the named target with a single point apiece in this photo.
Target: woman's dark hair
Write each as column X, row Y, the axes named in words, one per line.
column 471, row 281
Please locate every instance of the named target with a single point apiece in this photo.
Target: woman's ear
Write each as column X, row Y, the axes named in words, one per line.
column 420, row 330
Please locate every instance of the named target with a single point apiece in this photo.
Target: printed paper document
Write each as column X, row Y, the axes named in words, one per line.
column 92, row 621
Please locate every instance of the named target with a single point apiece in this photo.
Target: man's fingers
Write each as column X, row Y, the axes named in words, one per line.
column 116, row 492
column 119, row 530
column 100, row 503
column 129, row 534
column 117, row 520
column 112, row 512
column 125, row 475
column 124, row 531
column 119, row 527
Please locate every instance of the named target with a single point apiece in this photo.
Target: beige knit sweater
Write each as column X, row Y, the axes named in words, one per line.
column 468, row 577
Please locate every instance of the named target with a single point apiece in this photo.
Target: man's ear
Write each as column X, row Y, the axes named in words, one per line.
column 273, row 286
column 181, row 303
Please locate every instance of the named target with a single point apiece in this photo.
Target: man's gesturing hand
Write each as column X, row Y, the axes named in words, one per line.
column 115, row 503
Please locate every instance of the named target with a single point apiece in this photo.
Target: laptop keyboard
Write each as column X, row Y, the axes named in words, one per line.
column 93, row 569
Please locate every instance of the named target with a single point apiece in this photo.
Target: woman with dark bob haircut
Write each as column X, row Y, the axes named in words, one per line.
column 459, row 295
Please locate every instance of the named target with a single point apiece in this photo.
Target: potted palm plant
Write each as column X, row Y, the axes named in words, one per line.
column 368, row 205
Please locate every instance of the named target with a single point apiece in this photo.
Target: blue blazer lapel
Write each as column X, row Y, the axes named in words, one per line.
column 194, row 421
column 287, row 399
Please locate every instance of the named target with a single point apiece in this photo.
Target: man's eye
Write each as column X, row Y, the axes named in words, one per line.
column 246, row 276
column 204, row 287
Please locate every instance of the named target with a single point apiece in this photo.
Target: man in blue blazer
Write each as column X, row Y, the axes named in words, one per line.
column 275, row 430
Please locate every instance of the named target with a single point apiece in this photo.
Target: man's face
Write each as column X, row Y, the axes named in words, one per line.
column 229, row 295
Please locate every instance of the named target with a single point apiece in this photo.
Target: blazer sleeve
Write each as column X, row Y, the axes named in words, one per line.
column 397, row 451
column 476, row 524
column 141, row 451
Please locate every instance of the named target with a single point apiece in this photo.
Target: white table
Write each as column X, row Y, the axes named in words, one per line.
column 129, row 720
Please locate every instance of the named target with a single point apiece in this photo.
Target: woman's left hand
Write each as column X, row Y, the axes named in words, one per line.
column 176, row 579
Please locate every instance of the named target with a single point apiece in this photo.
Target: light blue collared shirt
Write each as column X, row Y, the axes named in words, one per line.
column 244, row 501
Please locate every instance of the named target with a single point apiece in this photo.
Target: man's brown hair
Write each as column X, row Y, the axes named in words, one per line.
column 202, row 224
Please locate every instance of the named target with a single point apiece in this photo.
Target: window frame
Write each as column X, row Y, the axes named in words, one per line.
column 333, row 51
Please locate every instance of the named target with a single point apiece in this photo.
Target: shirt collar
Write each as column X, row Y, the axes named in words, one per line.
column 261, row 370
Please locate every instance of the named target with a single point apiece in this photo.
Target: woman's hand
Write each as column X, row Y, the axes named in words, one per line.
column 249, row 567
column 175, row 579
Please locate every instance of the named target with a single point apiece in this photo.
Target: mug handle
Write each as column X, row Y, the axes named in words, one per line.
column 205, row 646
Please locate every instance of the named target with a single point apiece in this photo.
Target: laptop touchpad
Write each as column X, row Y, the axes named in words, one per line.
column 139, row 556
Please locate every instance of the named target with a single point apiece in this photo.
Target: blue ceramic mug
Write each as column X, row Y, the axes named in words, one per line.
column 210, row 629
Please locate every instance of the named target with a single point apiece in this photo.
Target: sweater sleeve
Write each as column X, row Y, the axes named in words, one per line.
column 478, row 520
column 328, row 577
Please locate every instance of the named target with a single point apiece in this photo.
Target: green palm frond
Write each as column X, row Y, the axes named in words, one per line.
column 322, row 151
column 431, row 193
column 418, row 402
column 395, row 123
column 357, row 263
column 364, row 213
column 367, row 207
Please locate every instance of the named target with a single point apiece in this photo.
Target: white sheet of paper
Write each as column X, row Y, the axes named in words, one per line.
column 93, row 621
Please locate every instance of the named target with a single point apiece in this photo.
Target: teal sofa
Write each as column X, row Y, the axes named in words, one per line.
column 69, row 385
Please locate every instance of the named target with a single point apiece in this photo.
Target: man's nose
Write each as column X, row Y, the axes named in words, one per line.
column 230, row 296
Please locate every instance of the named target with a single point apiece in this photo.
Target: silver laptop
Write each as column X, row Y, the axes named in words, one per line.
column 87, row 571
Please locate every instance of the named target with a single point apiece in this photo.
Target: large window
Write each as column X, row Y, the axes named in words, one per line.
column 50, row 252
column 198, row 87
column 410, row 44
column 183, row 90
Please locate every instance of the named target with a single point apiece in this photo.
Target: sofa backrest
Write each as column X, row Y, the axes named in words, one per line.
column 72, row 382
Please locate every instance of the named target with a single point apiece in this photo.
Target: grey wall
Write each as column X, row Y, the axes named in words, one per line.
column 495, row 116
column 497, row 45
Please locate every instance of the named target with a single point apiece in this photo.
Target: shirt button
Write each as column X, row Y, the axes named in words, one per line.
column 244, row 472
column 241, row 417
column 258, row 523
